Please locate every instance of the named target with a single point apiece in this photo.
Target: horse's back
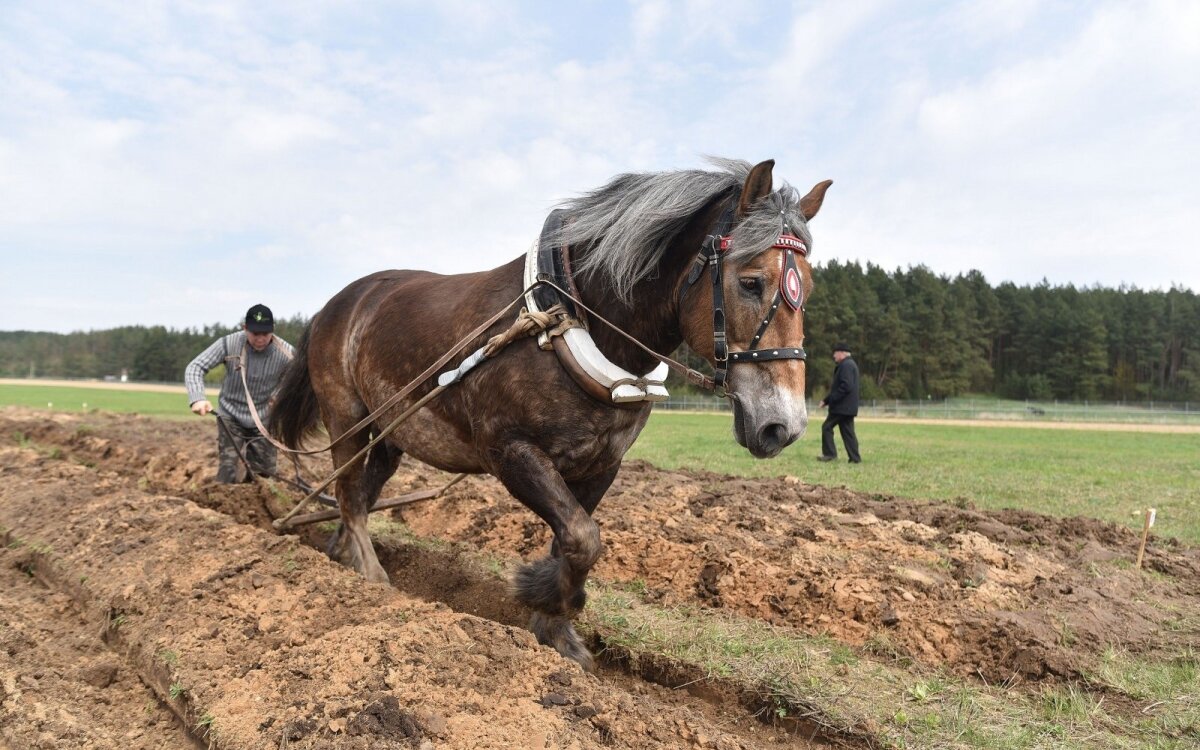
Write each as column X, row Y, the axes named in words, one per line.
column 400, row 313
column 381, row 331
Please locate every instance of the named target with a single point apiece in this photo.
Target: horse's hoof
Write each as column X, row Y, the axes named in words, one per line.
column 367, row 566
column 376, row 574
column 370, row 569
column 559, row 633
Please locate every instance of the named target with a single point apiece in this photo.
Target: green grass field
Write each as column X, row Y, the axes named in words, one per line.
column 72, row 398
column 1094, row 473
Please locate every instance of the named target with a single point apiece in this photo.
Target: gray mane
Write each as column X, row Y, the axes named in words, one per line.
column 632, row 220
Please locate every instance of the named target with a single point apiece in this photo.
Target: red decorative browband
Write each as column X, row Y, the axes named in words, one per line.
column 792, row 242
column 784, row 242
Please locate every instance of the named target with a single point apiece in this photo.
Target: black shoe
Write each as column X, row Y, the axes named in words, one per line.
column 856, row 460
column 826, row 458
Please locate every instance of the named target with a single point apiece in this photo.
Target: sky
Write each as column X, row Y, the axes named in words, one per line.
column 174, row 163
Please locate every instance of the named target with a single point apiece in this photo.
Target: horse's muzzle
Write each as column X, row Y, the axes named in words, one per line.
column 771, row 440
column 762, row 442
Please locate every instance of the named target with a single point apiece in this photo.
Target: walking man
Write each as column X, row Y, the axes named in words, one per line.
column 843, row 407
column 263, row 356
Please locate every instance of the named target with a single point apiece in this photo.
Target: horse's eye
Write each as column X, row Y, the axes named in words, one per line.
column 752, row 284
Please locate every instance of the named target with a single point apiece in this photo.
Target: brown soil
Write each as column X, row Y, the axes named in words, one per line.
column 152, row 569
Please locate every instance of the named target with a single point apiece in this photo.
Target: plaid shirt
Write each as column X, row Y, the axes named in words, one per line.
column 263, row 370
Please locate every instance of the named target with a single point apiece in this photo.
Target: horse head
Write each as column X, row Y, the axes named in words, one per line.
column 751, row 326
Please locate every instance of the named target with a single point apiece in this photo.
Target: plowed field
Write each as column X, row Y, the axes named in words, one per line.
column 146, row 606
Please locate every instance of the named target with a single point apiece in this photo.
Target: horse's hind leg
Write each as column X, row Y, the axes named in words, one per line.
column 357, row 491
column 381, row 465
column 553, row 586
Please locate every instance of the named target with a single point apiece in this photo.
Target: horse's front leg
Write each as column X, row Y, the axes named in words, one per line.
column 553, row 586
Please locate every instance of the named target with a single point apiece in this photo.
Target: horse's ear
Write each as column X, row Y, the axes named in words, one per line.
column 811, row 203
column 758, row 184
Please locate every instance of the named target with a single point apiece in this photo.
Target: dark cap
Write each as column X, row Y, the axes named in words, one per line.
column 840, row 347
column 259, row 319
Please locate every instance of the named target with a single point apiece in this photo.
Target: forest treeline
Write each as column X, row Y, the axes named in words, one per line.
column 144, row 353
column 915, row 335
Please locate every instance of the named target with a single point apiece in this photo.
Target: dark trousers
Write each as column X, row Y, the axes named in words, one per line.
column 845, row 423
column 232, row 439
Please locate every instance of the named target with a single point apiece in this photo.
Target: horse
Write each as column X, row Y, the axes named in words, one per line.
column 641, row 250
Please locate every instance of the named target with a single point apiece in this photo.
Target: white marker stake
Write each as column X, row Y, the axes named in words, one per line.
column 1145, row 534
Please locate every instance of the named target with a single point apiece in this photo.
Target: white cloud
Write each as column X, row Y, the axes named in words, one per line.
column 325, row 142
column 280, row 131
column 650, row 19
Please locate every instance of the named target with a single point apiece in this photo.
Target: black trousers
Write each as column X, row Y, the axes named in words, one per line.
column 232, row 438
column 845, row 423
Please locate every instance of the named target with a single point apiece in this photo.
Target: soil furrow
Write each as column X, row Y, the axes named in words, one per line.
column 1013, row 597
column 57, row 673
column 263, row 641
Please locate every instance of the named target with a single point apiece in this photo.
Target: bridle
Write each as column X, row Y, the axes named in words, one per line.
column 790, row 291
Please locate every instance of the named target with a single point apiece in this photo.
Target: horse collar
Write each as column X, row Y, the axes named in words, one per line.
column 598, row 376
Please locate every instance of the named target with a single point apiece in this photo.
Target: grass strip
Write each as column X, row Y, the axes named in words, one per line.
column 848, row 691
column 84, row 399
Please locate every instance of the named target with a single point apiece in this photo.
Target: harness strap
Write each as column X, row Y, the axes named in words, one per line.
column 720, row 344
column 764, row 355
column 766, row 321
column 692, row 376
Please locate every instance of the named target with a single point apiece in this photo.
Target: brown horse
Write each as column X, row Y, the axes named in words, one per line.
column 639, row 245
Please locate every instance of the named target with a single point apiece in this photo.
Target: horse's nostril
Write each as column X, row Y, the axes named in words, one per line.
column 773, row 437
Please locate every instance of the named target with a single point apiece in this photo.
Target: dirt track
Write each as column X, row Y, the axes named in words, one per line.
column 140, row 565
column 1177, row 429
column 107, row 385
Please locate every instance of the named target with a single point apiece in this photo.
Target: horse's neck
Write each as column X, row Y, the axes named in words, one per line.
column 653, row 319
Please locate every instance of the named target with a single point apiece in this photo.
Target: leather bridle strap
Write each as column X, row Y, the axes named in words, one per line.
column 794, row 299
column 711, row 255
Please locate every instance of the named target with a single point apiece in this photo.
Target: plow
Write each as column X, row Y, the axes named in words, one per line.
column 298, row 482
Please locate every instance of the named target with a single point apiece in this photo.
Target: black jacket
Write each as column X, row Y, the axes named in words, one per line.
column 843, row 394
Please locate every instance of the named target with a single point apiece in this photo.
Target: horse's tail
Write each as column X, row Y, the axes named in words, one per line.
column 295, row 413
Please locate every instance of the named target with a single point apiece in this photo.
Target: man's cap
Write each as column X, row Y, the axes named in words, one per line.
column 259, row 319
column 841, row 347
